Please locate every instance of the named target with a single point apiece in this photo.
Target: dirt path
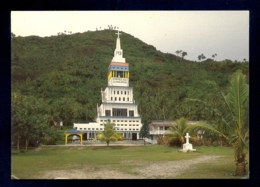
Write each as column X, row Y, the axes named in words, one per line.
column 163, row 170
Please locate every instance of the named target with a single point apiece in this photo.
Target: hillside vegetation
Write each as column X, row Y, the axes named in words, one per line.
column 68, row 71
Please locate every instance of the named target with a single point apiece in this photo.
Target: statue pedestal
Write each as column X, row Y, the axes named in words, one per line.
column 188, row 147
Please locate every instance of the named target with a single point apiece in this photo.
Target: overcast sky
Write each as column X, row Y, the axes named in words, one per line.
column 225, row 33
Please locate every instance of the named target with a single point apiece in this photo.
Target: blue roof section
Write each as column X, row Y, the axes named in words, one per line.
column 122, row 103
column 74, row 131
column 116, row 117
column 119, row 86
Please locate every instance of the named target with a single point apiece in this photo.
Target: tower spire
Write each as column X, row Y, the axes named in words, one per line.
column 118, row 53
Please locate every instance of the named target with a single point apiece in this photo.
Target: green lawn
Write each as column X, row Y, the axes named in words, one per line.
column 33, row 163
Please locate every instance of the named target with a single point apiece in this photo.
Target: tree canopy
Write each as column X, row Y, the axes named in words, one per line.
column 66, row 72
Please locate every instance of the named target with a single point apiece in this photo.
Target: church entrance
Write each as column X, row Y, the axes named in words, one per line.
column 134, row 136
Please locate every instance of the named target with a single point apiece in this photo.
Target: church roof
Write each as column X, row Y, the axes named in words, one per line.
column 168, row 123
column 119, row 87
column 74, row 131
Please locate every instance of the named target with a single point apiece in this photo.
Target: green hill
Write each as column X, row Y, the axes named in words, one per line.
column 68, row 71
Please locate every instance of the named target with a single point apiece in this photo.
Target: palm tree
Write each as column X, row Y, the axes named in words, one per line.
column 177, row 52
column 202, row 57
column 231, row 121
column 183, row 54
column 177, row 133
column 109, row 134
column 199, row 57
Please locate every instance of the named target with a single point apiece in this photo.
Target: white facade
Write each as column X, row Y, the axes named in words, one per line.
column 118, row 105
column 160, row 127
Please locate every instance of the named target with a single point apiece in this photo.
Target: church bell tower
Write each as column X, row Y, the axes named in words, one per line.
column 118, row 69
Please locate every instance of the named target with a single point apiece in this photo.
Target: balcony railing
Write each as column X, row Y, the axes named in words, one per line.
column 159, row 132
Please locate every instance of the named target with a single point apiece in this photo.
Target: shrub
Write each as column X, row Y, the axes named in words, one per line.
column 47, row 140
column 163, row 140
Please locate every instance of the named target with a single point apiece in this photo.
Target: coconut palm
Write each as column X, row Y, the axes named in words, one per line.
column 177, row 132
column 183, row 54
column 231, row 121
column 109, row 134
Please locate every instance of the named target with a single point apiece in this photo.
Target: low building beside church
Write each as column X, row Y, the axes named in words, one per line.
column 118, row 104
column 160, row 127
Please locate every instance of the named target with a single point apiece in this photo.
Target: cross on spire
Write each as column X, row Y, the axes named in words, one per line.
column 118, row 33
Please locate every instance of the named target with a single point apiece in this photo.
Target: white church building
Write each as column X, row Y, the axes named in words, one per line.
column 118, row 105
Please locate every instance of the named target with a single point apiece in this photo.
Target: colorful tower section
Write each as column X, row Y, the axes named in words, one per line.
column 118, row 74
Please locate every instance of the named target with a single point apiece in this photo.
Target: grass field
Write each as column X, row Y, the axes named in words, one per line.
column 125, row 162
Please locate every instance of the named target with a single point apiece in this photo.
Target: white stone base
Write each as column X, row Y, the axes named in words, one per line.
column 187, row 147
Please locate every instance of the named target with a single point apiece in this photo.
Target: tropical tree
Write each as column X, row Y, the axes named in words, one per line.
column 29, row 119
column 231, row 121
column 177, row 52
column 144, row 132
column 213, row 56
column 177, row 132
column 199, row 57
column 109, row 134
column 183, row 54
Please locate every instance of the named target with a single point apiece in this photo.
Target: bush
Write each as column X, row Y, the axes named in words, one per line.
column 163, row 140
column 47, row 140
